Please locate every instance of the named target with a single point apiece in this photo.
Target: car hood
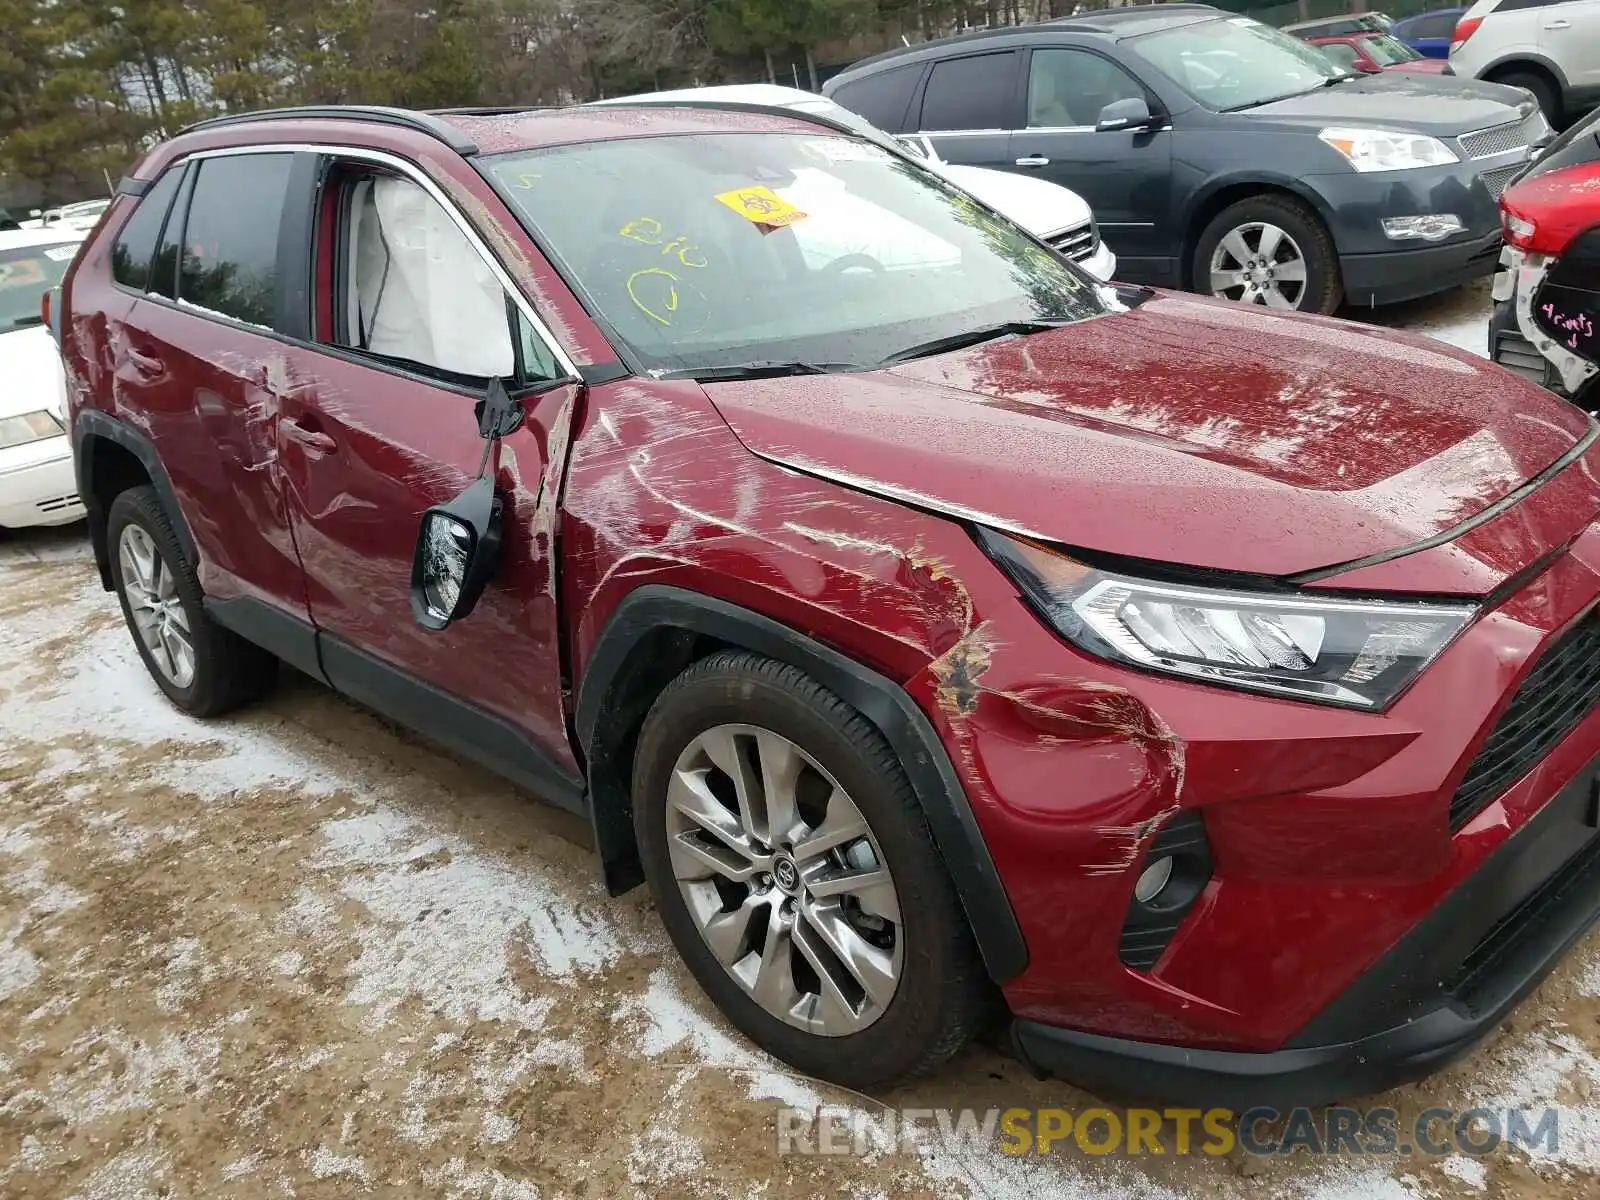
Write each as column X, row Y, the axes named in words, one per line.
column 1186, row 431
column 1441, row 105
column 30, row 364
column 1039, row 206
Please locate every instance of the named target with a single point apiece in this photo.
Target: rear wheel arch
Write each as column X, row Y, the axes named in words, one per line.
column 110, row 457
column 1541, row 72
column 658, row 631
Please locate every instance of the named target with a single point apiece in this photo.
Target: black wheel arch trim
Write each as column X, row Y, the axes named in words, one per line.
column 91, row 427
column 938, row 788
column 1523, row 58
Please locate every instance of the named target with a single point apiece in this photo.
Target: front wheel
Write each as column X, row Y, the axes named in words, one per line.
column 795, row 873
column 1269, row 250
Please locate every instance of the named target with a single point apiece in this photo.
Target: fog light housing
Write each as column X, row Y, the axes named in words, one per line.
column 1153, row 879
column 1430, row 227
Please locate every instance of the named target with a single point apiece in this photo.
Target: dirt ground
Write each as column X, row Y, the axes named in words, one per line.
column 300, row 953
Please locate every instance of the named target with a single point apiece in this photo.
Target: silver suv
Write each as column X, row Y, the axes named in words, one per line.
column 1549, row 47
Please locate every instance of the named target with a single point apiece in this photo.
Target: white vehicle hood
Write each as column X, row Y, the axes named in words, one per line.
column 1039, row 206
column 30, row 364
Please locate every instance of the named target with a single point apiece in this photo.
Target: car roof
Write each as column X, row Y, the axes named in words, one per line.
column 1111, row 22
column 775, row 94
column 470, row 131
column 19, row 239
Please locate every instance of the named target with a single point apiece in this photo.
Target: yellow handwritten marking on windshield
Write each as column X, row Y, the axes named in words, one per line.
column 761, row 206
column 648, row 230
column 669, row 302
column 525, row 182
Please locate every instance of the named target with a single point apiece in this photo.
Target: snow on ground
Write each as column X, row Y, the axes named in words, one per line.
column 294, row 952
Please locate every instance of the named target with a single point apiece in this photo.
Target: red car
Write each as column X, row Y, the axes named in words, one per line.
column 1546, row 322
column 926, row 623
column 1370, row 53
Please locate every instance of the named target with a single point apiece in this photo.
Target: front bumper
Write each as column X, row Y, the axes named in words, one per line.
column 1440, row 990
column 37, row 485
column 1405, row 274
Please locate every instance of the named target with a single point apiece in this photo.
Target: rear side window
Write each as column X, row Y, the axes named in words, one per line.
column 135, row 247
column 231, row 236
column 884, row 98
column 978, row 92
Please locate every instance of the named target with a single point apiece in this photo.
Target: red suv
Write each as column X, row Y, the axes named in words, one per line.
column 922, row 620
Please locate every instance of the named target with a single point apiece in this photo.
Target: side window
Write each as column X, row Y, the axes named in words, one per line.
column 1068, row 88
column 1435, row 25
column 882, row 98
column 1343, row 54
column 231, row 235
column 411, row 287
column 135, row 246
column 971, row 93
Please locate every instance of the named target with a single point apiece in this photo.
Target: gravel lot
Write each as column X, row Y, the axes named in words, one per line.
column 297, row 952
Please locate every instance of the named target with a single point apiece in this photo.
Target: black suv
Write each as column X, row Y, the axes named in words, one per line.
column 1222, row 155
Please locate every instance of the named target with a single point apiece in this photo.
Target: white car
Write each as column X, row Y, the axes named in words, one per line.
column 37, row 485
column 1549, row 47
column 1047, row 210
column 84, row 215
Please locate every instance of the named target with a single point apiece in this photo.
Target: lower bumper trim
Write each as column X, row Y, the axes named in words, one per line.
column 1397, row 275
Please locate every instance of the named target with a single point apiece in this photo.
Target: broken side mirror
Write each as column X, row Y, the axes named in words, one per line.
column 458, row 544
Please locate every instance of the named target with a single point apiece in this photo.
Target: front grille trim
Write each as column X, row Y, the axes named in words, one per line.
column 1553, row 699
column 1496, row 139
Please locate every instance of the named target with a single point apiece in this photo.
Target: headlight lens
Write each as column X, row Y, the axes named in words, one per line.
column 1354, row 653
column 1379, row 150
column 29, row 427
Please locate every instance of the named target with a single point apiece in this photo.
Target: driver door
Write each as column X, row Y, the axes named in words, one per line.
column 1124, row 175
column 412, row 323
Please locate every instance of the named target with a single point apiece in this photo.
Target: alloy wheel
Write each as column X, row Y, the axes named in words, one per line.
column 784, row 880
column 152, row 593
column 1259, row 263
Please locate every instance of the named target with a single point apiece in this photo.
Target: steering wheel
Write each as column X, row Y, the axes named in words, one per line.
column 853, row 262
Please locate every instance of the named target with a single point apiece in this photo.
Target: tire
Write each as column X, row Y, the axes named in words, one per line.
column 1304, row 233
column 1548, row 96
column 942, row 995
column 225, row 670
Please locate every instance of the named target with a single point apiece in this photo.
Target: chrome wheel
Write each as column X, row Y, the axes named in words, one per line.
column 784, row 879
column 151, row 590
column 1259, row 263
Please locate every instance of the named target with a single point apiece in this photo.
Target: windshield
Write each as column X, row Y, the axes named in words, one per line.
column 718, row 250
column 1236, row 62
column 26, row 273
column 1386, row 51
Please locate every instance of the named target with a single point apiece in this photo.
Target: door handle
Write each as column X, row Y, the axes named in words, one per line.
column 1559, row 24
column 145, row 364
column 1033, row 160
column 314, row 440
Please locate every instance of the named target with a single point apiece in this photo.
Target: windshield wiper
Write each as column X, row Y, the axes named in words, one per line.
column 756, row 370
column 972, row 337
column 1286, row 95
column 26, row 322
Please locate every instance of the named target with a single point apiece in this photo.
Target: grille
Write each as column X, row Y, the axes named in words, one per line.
column 1149, row 928
column 1077, row 243
column 58, row 503
column 1559, row 692
column 1516, row 353
column 1497, row 179
column 1498, row 139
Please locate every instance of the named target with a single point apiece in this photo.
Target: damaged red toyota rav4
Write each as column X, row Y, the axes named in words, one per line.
column 923, row 621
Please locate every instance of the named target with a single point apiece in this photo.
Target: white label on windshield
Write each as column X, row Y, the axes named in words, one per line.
column 60, row 253
column 838, row 150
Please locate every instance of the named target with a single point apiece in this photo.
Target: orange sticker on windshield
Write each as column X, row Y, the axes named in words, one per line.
column 762, row 206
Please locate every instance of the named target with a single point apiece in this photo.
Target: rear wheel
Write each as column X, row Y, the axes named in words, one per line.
column 795, row 873
column 1268, row 250
column 203, row 668
column 1548, row 97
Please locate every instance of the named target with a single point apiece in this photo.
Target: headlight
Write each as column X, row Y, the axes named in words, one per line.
column 29, row 427
column 1355, row 653
column 1378, row 150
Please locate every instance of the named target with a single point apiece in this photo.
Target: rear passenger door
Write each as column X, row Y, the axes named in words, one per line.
column 1569, row 33
column 969, row 105
column 1125, row 175
column 206, row 358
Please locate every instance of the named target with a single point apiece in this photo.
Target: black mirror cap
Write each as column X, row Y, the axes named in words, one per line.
column 478, row 510
column 1132, row 113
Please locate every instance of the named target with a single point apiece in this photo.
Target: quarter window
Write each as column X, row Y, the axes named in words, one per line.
column 231, row 236
column 977, row 92
column 135, row 246
column 883, row 98
column 1068, row 88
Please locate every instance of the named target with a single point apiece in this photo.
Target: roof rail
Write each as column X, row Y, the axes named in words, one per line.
column 405, row 118
column 493, row 110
